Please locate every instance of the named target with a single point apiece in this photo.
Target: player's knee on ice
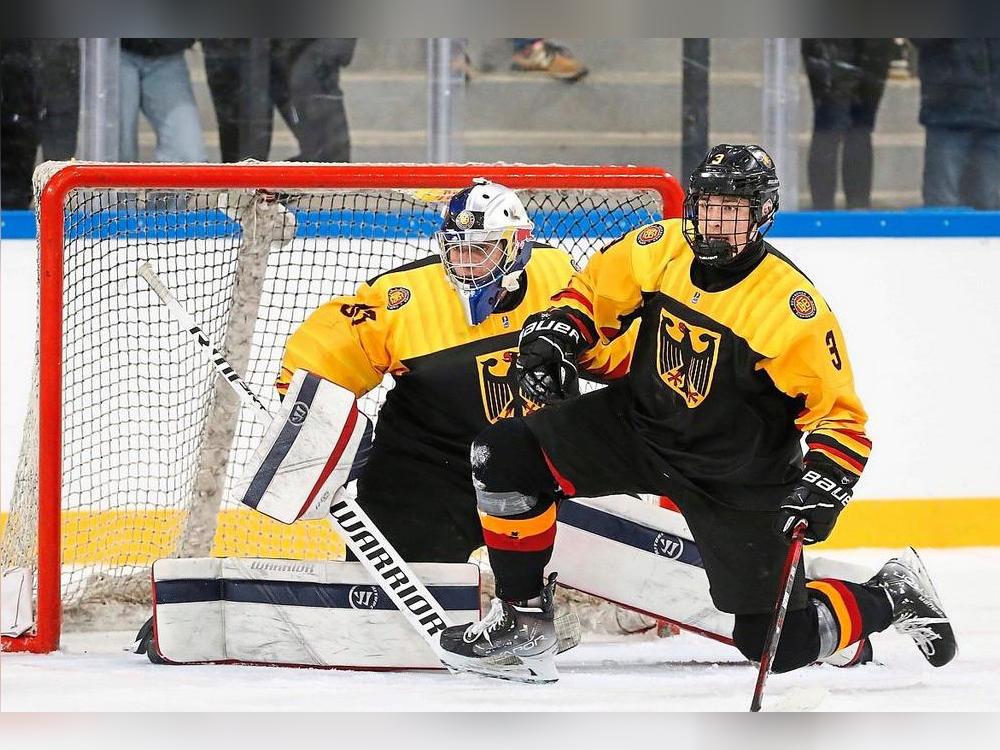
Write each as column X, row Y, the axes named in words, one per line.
column 799, row 644
column 506, row 457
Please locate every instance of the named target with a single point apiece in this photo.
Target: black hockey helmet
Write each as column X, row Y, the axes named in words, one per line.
column 744, row 171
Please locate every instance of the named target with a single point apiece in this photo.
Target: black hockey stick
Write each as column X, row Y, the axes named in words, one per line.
column 780, row 607
column 353, row 525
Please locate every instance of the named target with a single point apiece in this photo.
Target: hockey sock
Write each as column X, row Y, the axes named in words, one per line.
column 519, row 549
column 847, row 612
column 509, row 471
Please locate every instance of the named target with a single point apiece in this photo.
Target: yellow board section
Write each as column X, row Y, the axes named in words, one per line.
column 942, row 522
column 140, row 537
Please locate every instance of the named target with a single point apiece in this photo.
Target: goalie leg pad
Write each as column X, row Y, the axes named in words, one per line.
column 296, row 613
column 317, row 436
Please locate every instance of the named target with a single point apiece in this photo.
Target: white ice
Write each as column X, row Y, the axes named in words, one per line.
column 682, row 673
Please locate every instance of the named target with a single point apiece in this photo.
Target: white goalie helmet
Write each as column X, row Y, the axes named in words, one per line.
column 485, row 242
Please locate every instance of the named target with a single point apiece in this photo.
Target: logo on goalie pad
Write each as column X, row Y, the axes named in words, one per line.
column 363, row 597
column 668, row 545
column 298, row 413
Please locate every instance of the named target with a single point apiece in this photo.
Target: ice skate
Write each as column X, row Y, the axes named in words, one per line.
column 916, row 607
column 512, row 642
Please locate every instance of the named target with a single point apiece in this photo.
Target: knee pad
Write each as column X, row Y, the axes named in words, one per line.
column 799, row 643
column 509, row 471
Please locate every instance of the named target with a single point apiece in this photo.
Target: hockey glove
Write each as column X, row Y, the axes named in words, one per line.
column 546, row 359
column 817, row 499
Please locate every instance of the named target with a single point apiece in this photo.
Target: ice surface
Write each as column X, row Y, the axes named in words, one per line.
column 684, row 673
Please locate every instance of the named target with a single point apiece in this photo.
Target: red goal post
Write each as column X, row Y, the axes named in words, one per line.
column 53, row 219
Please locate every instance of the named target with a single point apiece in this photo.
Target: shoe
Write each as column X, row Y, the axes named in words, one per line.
column 547, row 57
column 514, row 641
column 916, row 607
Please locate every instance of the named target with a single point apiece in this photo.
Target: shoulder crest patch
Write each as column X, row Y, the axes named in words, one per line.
column 397, row 297
column 650, row 234
column 802, row 304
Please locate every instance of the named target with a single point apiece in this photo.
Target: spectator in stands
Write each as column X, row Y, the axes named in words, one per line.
column 846, row 78
column 960, row 109
column 544, row 55
column 155, row 80
column 249, row 78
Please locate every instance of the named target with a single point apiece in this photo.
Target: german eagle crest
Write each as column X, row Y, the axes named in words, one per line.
column 686, row 357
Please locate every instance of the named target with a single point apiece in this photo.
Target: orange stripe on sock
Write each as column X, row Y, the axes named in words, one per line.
column 522, row 527
column 845, row 609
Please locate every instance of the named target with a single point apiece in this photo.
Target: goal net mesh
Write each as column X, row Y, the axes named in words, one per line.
column 151, row 440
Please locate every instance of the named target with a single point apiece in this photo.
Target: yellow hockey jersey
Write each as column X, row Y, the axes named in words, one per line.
column 728, row 371
column 452, row 379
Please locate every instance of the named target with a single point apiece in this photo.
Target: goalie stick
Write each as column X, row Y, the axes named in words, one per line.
column 357, row 530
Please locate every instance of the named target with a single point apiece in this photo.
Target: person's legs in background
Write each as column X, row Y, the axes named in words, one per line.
column 315, row 109
column 873, row 60
column 18, row 128
column 130, row 72
column 946, row 151
column 239, row 73
column 168, row 102
column 57, row 71
column 830, row 116
column 981, row 188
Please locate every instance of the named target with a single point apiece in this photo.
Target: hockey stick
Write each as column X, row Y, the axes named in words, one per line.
column 780, row 607
column 357, row 530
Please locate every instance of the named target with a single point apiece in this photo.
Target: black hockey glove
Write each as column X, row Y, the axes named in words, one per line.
column 817, row 499
column 546, row 359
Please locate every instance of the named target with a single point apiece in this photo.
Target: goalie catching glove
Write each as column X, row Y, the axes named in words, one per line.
column 817, row 499
column 547, row 351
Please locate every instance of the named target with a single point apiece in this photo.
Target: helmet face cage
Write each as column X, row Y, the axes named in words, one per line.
column 745, row 172
column 476, row 258
column 485, row 238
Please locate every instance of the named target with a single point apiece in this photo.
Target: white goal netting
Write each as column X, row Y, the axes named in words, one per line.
column 150, row 439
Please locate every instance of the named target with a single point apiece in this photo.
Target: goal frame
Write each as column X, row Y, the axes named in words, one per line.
column 44, row 636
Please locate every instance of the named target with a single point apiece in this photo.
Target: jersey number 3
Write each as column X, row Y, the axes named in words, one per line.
column 831, row 343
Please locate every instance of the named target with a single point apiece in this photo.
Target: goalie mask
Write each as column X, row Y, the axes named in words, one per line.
column 485, row 243
column 730, row 205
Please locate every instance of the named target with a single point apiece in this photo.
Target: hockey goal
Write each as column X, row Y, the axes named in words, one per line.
column 131, row 443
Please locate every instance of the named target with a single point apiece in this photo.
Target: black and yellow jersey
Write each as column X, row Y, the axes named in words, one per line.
column 726, row 377
column 452, row 379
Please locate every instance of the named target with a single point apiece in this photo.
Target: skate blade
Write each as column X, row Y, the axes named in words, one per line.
column 527, row 672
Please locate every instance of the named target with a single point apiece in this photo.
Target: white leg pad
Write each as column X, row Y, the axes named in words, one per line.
column 297, row 613
column 642, row 557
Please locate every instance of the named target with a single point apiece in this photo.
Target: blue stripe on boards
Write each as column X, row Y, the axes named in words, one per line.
column 304, row 594
column 355, row 224
column 629, row 532
column 346, row 224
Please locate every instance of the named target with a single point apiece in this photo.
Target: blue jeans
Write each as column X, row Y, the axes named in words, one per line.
column 160, row 87
column 962, row 168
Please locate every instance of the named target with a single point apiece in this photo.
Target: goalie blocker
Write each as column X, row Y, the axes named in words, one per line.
column 295, row 459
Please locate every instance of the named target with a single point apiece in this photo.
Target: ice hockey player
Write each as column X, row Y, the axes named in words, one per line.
column 445, row 328
column 737, row 357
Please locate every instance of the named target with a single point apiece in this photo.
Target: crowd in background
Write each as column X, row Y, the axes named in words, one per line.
column 251, row 79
